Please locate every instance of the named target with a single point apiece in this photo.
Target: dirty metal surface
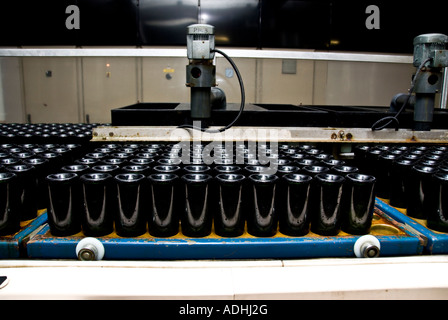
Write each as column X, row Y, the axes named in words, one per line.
column 283, row 134
column 12, row 246
column 394, row 238
column 435, row 242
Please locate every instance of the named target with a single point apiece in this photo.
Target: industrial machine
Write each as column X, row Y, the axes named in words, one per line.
column 200, row 71
column 254, row 139
column 201, row 76
column 430, row 57
column 208, row 103
column 210, row 180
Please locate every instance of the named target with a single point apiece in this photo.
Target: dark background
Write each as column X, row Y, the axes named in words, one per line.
column 314, row 24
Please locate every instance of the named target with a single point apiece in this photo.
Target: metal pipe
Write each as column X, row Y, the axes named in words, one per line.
column 423, row 111
column 2, row 100
column 200, row 103
column 444, row 93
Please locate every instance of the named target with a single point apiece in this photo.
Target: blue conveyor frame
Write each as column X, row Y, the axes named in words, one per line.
column 11, row 246
column 45, row 246
column 435, row 242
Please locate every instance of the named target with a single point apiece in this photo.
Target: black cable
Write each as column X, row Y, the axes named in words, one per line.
column 395, row 117
column 243, row 98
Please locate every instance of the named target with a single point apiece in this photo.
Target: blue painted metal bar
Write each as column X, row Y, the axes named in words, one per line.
column 436, row 242
column 43, row 245
column 10, row 246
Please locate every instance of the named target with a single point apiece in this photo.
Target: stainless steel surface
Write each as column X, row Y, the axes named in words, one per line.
column 444, row 94
column 182, row 52
column 370, row 251
column 298, row 134
column 88, row 253
column 200, row 41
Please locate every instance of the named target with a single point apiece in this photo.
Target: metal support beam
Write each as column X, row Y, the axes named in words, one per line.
column 298, row 134
column 182, row 53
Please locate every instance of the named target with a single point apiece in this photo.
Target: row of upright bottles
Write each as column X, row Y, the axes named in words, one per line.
column 414, row 178
column 167, row 188
column 44, row 133
column 23, row 169
column 266, row 184
column 28, row 153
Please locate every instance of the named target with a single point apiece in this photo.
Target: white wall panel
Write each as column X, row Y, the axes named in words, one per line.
column 51, row 98
column 108, row 83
